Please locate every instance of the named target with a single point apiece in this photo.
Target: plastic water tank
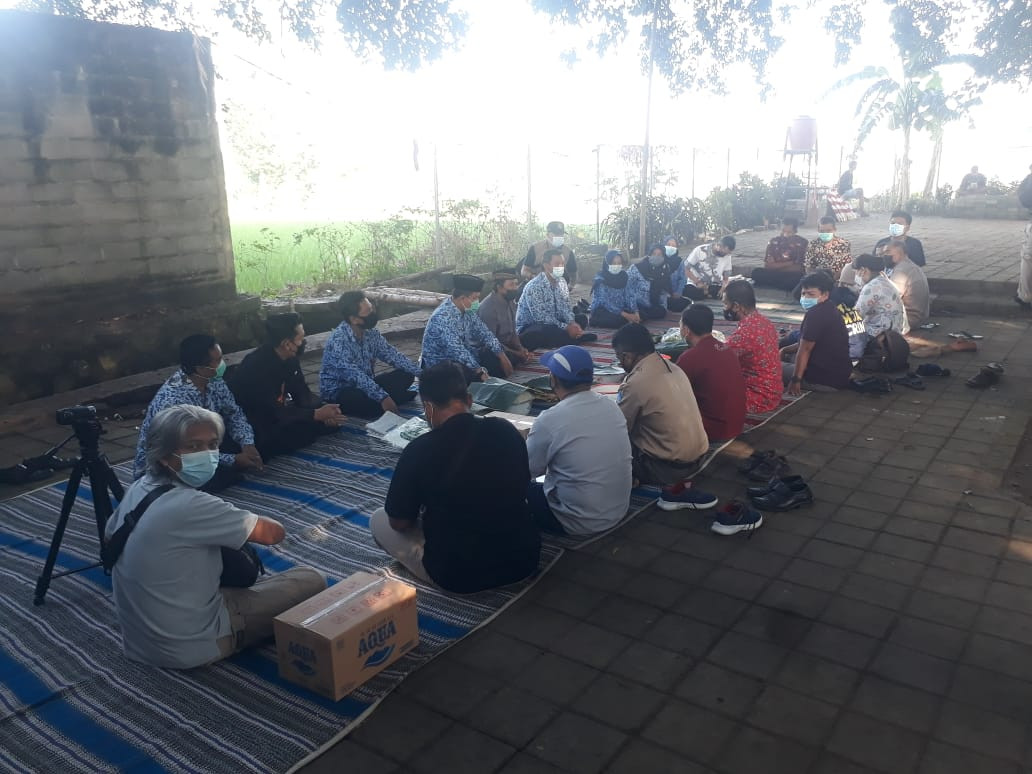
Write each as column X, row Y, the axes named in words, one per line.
column 802, row 135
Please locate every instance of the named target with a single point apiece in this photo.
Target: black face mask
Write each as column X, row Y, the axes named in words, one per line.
column 301, row 347
column 511, row 295
column 730, row 315
column 370, row 320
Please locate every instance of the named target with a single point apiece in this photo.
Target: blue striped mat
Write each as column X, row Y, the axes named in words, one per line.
column 70, row 701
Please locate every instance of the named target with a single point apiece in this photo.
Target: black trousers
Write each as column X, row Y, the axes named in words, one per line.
column 545, row 337
column 603, row 318
column 396, row 384
column 678, row 304
column 657, row 312
column 772, row 278
column 541, row 511
column 698, row 294
column 276, row 438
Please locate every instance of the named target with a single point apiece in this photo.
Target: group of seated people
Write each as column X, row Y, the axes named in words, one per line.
column 790, row 257
column 464, row 509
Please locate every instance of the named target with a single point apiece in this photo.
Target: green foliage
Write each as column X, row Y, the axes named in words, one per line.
column 684, row 218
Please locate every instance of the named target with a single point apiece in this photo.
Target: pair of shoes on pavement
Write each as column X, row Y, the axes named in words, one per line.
column 733, row 518
column 932, row 369
column 781, row 494
column 765, row 465
column 989, row 375
column 872, row 384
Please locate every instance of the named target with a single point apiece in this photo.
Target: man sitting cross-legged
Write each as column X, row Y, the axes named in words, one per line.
column 666, row 432
column 456, row 511
column 271, row 389
column 454, row 333
column 821, row 358
column 581, row 447
column 715, row 374
column 544, row 317
column 346, row 377
column 199, row 382
column 167, row 588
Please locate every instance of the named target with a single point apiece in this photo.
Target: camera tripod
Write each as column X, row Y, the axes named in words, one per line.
column 95, row 466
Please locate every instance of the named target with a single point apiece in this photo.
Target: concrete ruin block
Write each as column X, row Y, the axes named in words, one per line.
column 14, row 193
column 52, row 192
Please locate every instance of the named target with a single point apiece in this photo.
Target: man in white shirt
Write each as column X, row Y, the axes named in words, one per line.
column 582, row 448
column 708, row 269
column 166, row 581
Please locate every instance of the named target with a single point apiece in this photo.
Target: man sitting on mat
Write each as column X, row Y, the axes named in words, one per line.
column 820, row 361
column 172, row 606
column 581, row 447
column 346, row 377
column 666, row 432
column 755, row 341
column 456, row 511
column 199, row 382
column 498, row 311
column 715, row 374
column 456, row 333
column 271, row 389
column 544, row 316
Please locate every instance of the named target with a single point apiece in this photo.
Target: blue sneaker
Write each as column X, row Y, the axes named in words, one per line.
column 683, row 495
column 735, row 517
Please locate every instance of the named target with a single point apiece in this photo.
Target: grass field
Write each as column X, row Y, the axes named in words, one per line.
column 268, row 260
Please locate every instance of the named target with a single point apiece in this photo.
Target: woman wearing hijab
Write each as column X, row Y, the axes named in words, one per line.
column 678, row 278
column 612, row 298
column 649, row 279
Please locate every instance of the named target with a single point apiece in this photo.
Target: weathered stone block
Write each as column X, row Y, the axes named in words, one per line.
column 52, row 192
column 14, row 193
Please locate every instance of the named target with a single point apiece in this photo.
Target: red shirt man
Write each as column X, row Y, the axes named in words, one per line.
column 756, row 344
column 715, row 375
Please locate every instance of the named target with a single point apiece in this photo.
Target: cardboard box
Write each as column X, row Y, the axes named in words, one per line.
column 341, row 637
column 519, row 421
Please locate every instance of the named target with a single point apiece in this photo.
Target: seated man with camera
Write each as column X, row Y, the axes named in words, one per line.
column 178, row 545
column 199, row 382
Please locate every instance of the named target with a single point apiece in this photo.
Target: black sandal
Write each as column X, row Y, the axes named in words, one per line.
column 911, row 380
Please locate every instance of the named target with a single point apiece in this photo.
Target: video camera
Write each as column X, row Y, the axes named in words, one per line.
column 77, row 415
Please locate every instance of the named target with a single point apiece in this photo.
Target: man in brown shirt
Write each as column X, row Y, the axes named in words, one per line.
column 498, row 311
column 663, row 420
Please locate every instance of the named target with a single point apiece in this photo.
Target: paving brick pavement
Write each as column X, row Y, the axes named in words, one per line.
column 883, row 629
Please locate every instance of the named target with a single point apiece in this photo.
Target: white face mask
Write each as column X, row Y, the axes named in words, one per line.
column 615, row 268
column 558, row 271
column 557, row 241
column 670, row 251
column 896, row 229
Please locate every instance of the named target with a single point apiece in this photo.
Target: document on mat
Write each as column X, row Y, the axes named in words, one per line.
column 407, row 431
column 385, row 424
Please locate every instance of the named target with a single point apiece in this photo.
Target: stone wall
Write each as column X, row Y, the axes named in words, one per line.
column 986, row 206
column 113, row 215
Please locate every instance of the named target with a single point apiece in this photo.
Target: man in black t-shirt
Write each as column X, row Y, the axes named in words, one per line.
column 822, row 361
column 456, row 513
column 847, row 191
column 899, row 231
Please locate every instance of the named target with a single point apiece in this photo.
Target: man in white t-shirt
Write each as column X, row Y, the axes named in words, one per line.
column 170, row 606
column 708, row 269
column 582, row 447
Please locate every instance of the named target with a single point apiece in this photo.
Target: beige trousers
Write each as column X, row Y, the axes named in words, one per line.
column 251, row 610
column 406, row 547
column 1025, row 275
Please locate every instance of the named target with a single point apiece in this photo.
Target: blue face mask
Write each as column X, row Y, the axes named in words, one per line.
column 198, row 467
column 808, row 303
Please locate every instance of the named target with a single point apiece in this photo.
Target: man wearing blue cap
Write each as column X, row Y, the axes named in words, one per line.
column 582, row 447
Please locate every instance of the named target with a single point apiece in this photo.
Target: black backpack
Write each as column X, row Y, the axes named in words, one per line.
column 888, row 352
column 1025, row 192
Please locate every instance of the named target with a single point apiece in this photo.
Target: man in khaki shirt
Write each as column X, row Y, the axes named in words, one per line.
column 663, row 421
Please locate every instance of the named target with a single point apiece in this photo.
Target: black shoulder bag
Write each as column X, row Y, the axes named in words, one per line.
column 115, row 545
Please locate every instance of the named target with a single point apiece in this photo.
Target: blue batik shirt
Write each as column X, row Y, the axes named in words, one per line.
column 178, row 390
column 639, row 286
column 615, row 300
column 456, row 336
column 348, row 362
column 544, row 303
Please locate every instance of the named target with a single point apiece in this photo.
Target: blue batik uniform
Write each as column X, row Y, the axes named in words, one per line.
column 544, row 303
column 638, row 286
column 178, row 390
column 348, row 362
column 615, row 300
column 456, row 336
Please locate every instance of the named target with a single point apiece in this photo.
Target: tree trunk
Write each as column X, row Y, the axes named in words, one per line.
column 929, row 189
column 904, row 171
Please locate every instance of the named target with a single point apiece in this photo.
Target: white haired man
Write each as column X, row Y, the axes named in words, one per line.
column 172, row 607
